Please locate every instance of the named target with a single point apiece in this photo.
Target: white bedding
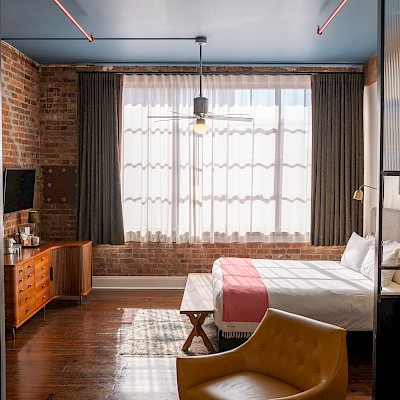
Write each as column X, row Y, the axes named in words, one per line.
column 322, row 290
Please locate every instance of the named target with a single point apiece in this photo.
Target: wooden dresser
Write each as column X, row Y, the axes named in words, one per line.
column 40, row 274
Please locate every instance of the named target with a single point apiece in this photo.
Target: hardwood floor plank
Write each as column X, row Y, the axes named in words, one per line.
column 71, row 352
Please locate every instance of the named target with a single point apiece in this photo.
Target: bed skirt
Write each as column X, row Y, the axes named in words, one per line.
column 235, row 335
column 225, row 344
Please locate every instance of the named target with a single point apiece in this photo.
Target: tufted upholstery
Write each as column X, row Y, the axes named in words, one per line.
column 288, row 357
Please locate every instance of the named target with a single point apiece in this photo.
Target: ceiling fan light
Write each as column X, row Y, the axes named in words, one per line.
column 200, row 105
column 200, row 126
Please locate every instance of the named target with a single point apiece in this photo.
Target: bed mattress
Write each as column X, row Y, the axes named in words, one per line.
column 322, row 290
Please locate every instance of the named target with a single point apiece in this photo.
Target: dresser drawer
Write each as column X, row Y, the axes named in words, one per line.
column 27, row 309
column 26, row 298
column 42, row 283
column 42, row 297
column 44, row 258
column 25, row 268
column 25, row 283
column 42, row 268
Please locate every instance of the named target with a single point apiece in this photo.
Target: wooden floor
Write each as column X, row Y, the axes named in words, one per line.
column 71, row 352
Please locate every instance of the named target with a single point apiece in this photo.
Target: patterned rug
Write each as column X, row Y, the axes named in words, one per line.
column 162, row 333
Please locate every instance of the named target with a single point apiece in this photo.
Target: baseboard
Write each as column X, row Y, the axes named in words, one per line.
column 139, row 282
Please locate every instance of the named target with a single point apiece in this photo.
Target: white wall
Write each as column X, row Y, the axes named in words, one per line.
column 371, row 151
column 371, row 168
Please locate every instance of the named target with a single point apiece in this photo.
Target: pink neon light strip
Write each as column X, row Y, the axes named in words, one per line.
column 74, row 21
column 341, row 5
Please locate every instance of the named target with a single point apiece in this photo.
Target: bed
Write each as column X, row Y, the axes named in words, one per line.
column 340, row 293
column 324, row 290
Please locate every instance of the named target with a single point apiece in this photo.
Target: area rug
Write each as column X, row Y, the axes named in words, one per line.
column 162, row 333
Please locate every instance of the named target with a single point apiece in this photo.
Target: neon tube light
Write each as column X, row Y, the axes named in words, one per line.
column 74, row 21
column 320, row 30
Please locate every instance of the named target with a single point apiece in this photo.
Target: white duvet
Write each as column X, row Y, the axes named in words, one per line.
column 322, row 290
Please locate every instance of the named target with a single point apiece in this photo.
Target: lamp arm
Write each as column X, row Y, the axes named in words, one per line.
column 371, row 187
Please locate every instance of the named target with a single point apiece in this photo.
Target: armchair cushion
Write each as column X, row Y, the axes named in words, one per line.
column 243, row 385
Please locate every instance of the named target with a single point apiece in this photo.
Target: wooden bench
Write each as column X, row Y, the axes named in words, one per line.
column 197, row 303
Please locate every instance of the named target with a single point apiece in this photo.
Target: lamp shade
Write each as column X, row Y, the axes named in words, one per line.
column 200, row 126
column 33, row 217
column 358, row 195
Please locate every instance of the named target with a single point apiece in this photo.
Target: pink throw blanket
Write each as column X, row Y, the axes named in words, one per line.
column 245, row 297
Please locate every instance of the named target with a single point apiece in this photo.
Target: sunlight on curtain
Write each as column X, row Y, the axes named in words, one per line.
column 240, row 181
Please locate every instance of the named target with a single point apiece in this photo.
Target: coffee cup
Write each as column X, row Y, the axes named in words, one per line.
column 35, row 240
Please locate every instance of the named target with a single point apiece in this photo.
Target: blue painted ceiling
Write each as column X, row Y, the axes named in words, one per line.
column 238, row 32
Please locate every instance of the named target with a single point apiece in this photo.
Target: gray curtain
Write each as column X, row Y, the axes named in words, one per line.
column 99, row 213
column 338, row 157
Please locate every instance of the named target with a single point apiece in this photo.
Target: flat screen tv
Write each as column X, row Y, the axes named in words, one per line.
column 19, row 189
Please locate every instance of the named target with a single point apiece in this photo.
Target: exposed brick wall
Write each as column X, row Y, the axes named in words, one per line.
column 181, row 259
column 21, row 139
column 58, row 130
column 371, row 71
column 40, row 129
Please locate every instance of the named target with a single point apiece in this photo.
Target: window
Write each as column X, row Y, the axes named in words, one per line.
column 240, row 181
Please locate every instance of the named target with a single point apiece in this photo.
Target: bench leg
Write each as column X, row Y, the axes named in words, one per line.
column 197, row 320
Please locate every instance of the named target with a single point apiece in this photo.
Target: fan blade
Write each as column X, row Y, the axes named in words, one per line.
column 230, row 115
column 170, row 116
column 178, row 113
column 228, row 118
column 165, row 120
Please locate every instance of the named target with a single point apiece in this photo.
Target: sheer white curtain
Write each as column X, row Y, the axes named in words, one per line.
column 237, row 182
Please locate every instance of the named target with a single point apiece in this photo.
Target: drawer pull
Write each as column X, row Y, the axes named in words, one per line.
column 43, row 276
column 43, row 286
column 27, row 298
column 30, row 276
column 21, row 271
column 28, row 309
column 42, row 259
column 21, row 290
column 21, row 280
column 43, row 267
column 43, row 297
column 29, row 286
column 29, row 266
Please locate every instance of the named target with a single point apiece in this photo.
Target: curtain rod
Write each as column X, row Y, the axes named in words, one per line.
column 222, row 73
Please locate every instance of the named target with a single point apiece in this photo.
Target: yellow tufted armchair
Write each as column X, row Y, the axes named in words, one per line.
column 288, row 357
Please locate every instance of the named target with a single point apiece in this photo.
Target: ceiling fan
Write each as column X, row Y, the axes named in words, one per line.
column 200, row 104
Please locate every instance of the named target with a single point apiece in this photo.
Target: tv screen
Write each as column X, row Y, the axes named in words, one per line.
column 19, row 189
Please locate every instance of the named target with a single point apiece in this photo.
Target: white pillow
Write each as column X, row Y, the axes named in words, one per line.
column 390, row 256
column 356, row 249
column 396, row 277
